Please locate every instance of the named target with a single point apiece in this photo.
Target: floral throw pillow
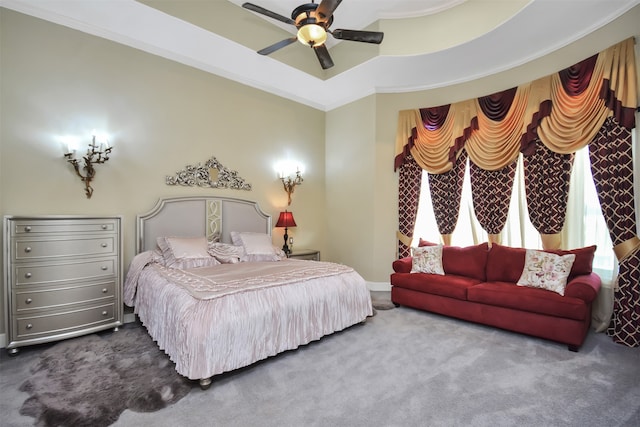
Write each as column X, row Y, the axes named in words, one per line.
column 546, row 270
column 427, row 259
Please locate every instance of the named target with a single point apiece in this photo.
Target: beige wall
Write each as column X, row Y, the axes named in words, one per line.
column 164, row 116
column 57, row 81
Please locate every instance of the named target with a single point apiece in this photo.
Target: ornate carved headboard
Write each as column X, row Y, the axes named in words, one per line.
column 199, row 216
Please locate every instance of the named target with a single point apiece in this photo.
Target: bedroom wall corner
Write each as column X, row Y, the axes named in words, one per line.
column 350, row 190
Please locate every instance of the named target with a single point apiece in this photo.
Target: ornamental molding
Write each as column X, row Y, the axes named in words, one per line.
column 212, row 174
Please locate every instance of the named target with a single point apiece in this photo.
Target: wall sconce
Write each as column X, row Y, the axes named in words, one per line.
column 290, row 184
column 95, row 155
column 286, row 220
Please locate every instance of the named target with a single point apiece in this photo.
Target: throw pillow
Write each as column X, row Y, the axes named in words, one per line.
column 185, row 252
column 427, row 259
column 546, row 270
column 257, row 246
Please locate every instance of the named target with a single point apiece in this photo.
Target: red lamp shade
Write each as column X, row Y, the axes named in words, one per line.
column 286, row 220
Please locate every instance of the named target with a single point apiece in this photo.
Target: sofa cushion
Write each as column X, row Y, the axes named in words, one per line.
column 450, row 285
column 467, row 261
column 583, row 264
column 505, row 264
column 533, row 300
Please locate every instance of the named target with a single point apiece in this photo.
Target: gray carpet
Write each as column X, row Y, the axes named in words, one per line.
column 402, row 368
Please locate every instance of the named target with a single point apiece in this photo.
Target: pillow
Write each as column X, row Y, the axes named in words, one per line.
column 422, row 242
column 469, row 261
column 583, row 262
column 546, row 270
column 257, row 246
column 427, row 259
column 226, row 253
column 185, row 252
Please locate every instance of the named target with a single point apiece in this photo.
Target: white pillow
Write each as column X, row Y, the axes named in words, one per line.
column 545, row 270
column 257, row 246
column 188, row 247
column 185, row 252
column 427, row 259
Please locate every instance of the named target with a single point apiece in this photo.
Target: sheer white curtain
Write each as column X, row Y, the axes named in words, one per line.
column 584, row 225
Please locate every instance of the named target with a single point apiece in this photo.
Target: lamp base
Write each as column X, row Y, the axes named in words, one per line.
column 285, row 248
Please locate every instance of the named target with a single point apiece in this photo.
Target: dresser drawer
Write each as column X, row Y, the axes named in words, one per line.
column 26, row 249
column 33, row 226
column 60, row 297
column 49, row 324
column 52, row 273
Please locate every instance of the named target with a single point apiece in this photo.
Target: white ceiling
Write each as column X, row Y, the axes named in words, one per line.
column 357, row 14
column 539, row 28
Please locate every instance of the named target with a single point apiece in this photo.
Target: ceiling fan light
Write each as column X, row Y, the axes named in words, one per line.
column 312, row 35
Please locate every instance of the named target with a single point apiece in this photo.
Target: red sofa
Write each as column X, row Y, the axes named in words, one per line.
column 479, row 285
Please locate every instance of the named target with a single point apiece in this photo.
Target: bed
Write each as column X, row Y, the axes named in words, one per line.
column 238, row 303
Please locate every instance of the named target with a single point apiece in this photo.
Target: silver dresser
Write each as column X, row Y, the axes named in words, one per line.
column 63, row 277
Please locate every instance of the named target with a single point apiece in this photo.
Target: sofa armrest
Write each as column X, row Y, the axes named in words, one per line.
column 403, row 265
column 584, row 286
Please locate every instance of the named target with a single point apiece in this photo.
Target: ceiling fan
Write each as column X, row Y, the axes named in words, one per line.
column 313, row 21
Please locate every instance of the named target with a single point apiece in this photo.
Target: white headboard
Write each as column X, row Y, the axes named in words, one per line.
column 199, row 216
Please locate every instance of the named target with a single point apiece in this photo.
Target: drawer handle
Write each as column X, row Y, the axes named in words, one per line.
column 104, row 245
column 104, row 313
column 27, row 249
column 29, row 326
column 28, row 301
column 104, row 268
column 28, row 275
column 27, row 229
column 104, row 226
column 104, row 290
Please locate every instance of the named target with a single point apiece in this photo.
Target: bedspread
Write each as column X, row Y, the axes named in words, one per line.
column 233, row 327
column 225, row 279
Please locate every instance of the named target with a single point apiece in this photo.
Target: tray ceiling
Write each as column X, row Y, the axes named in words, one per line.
column 428, row 43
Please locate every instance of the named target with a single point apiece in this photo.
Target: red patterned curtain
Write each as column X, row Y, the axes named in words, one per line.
column 409, row 186
column 446, row 192
column 612, row 168
column 546, row 179
column 491, row 194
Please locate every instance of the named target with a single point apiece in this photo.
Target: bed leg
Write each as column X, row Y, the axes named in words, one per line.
column 205, row 383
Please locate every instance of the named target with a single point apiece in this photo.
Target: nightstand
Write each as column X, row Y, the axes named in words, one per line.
column 309, row 254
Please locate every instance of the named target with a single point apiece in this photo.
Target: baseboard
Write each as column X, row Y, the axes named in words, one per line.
column 379, row 286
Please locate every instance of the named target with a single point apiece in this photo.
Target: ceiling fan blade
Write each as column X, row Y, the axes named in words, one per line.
column 259, row 9
column 282, row 43
column 326, row 8
column 359, row 36
column 323, row 56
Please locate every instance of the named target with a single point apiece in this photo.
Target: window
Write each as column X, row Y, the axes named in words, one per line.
column 584, row 224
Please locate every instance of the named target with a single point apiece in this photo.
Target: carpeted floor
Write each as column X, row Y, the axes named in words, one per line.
column 401, row 368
